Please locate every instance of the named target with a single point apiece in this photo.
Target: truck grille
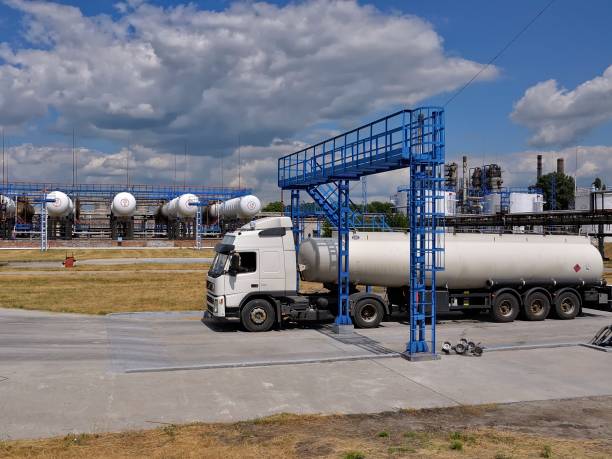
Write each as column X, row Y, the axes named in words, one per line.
column 210, row 302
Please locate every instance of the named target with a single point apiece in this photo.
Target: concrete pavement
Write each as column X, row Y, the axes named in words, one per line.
column 64, row 373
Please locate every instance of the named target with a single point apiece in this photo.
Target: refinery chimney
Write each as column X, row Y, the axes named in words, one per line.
column 539, row 170
column 560, row 166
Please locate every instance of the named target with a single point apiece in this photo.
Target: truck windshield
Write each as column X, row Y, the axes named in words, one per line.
column 218, row 265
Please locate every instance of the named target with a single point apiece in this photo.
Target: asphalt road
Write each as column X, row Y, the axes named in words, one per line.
column 63, row 373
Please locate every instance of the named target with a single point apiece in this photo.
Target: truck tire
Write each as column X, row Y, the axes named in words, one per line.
column 567, row 305
column 257, row 315
column 536, row 306
column 505, row 307
column 368, row 313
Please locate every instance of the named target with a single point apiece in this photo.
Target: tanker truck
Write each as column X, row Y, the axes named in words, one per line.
column 254, row 275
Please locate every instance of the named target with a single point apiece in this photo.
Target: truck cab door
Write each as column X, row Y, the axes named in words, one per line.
column 242, row 278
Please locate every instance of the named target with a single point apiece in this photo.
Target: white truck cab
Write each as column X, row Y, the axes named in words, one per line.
column 252, row 266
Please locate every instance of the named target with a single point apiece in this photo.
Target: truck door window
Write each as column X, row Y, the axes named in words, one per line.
column 248, row 262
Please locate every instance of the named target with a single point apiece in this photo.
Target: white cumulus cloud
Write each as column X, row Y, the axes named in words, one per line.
column 557, row 116
column 161, row 76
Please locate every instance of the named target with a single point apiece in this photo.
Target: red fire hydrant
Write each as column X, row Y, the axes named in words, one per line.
column 69, row 262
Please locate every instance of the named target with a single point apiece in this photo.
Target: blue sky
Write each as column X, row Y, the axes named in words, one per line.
column 568, row 43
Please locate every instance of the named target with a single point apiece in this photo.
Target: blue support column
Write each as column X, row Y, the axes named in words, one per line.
column 426, row 230
column 344, row 312
column 297, row 231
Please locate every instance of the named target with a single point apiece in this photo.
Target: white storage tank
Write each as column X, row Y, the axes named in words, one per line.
column 243, row 208
column 59, row 204
column 449, row 202
column 7, row 205
column 525, row 202
column 492, row 204
column 184, row 207
column 169, row 209
column 123, row 205
column 470, row 260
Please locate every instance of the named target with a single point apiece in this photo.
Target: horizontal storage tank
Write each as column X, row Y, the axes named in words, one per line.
column 123, row 205
column 7, row 205
column 59, row 204
column 169, row 209
column 243, row 208
column 184, row 209
column 470, row 260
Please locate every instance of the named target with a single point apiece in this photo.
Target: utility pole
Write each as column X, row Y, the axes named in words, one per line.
column 175, row 184
column 239, row 162
column 73, row 161
column 3, row 159
column 185, row 172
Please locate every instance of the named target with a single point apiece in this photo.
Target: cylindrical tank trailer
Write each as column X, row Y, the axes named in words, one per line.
column 244, row 207
column 471, row 261
column 123, row 205
column 58, row 204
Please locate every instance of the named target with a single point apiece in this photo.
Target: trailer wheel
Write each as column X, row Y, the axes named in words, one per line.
column 257, row 315
column 567, row 305
column 368, row 313
column 536, row 306
column 505, row 308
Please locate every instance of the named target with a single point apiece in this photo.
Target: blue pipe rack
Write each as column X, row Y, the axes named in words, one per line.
column 108, row 191
column 408, row 138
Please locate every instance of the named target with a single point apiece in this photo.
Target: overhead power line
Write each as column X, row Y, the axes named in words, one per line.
column 500, row 52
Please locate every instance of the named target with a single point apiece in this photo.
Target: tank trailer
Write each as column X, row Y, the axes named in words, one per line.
column 254, row 276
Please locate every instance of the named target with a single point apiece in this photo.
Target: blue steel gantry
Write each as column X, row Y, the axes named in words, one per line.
column 408, row 138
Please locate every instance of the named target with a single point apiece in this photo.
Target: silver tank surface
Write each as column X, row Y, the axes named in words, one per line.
column 471, row 260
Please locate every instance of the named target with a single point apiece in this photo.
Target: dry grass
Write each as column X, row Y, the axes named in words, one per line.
column 290, row 436
column 82, row 254
column 201, row 267
column 102, row 292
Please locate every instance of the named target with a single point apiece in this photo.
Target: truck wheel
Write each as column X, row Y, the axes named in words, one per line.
column 368, row 313
column 505, row 308
column 257, row 316
column 567, row 305
column 537, row 306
